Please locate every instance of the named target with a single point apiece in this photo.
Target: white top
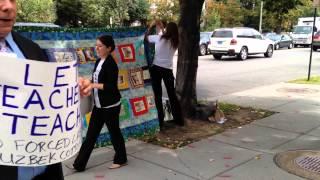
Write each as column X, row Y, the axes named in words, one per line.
column 163, row 51
column 95, row 90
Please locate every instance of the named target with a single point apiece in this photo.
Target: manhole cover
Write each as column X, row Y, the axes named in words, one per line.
column 310, row 163
column 303, row 163
column 298, row 90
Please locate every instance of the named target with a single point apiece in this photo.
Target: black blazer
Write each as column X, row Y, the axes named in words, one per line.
column 108, row 76
column 52, row 172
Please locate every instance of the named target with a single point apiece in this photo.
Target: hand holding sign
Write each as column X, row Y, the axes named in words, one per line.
column 85, row 87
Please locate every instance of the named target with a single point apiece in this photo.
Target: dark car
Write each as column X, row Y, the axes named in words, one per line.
column 316, row 41
column 281, row 40
column 204, row 42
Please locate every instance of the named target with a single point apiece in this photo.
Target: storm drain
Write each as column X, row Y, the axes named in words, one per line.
column 309, row 163
column 303, row 163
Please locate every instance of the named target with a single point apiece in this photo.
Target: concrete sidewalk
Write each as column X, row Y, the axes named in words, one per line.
column 245, row 153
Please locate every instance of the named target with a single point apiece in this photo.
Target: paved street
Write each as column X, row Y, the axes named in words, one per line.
column 221, row 77
column 244, row 153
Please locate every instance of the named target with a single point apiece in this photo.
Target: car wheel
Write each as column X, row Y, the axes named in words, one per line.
column 276, row 47
column 243, row 55
column 295, row 46
column 290, row 46
column 269, row 51
column 202, row 50
column 217, row 56
column 314, row 48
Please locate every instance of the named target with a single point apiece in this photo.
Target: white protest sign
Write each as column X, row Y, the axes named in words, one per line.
column 40, row 121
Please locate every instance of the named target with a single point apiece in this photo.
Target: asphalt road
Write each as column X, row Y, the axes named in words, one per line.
column 219, row 77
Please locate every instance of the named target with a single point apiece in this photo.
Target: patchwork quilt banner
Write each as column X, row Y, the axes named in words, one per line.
column 138, row 114
column 40, row 112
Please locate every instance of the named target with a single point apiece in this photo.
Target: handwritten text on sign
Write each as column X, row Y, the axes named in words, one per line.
column 40, row 119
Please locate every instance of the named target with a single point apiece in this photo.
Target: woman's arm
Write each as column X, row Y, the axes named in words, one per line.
column 148, row 32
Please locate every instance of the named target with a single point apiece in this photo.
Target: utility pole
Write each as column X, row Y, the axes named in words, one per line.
column 311, row 46
column 260, row 22
column 316, row 3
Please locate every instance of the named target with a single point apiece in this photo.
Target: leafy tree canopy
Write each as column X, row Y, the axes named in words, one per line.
column 36, row 11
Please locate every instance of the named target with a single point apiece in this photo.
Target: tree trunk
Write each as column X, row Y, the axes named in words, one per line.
column 189, row 26
column 279, row 25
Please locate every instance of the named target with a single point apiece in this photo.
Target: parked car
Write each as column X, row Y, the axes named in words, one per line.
column 204, row 42
column 240, row 42
column 316, row 41
column 281, row 40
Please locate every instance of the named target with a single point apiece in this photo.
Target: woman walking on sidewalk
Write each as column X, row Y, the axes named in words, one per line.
column 106, row 108
column 161, row 69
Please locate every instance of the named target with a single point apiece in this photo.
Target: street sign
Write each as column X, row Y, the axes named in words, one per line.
column 316, row 3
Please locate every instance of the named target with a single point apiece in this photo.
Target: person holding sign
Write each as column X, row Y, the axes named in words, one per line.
column 166, row 45
column 106, row 108
column 14, row 45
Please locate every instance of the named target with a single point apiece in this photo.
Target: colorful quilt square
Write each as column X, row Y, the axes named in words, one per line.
column 81, row 56
column 123, row 82
column 139, row 106
column 146, row 75
column 124, row 113
column 127, row 52
column 89, row 54
column 150, row 101
column 136, row 78
column 61, row 54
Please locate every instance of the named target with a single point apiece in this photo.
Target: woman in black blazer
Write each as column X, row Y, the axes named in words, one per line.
column 106, row 108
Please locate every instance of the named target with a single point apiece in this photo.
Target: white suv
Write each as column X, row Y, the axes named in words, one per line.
column 239, row 42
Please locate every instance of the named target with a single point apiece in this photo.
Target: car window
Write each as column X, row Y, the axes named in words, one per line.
column 222, row 34
column 302, row 30
column 256, row 34
column 244, row 33
column 285, row 37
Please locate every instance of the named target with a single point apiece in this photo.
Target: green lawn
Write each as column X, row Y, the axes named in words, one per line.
column 313, row 80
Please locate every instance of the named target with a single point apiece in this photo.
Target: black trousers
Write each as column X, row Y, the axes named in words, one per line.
column 99, row 116
column 158, row 74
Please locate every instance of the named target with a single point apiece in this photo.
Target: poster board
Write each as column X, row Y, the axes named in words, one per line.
column 40, row 112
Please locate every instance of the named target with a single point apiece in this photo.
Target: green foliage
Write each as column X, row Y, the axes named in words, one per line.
column 166, row 10
column 251, row 13
column 228, row 108
column 102, row 13
column 69, row 12
column 211, row 21
column 36, row 11
column 137, row 30
column 277, row 15
column 138, row 11
column 278, row 10
column 227, row 13
column 313, row 80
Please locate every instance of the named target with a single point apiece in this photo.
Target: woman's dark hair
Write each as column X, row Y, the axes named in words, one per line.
column 107, row 41
column 172, row 34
